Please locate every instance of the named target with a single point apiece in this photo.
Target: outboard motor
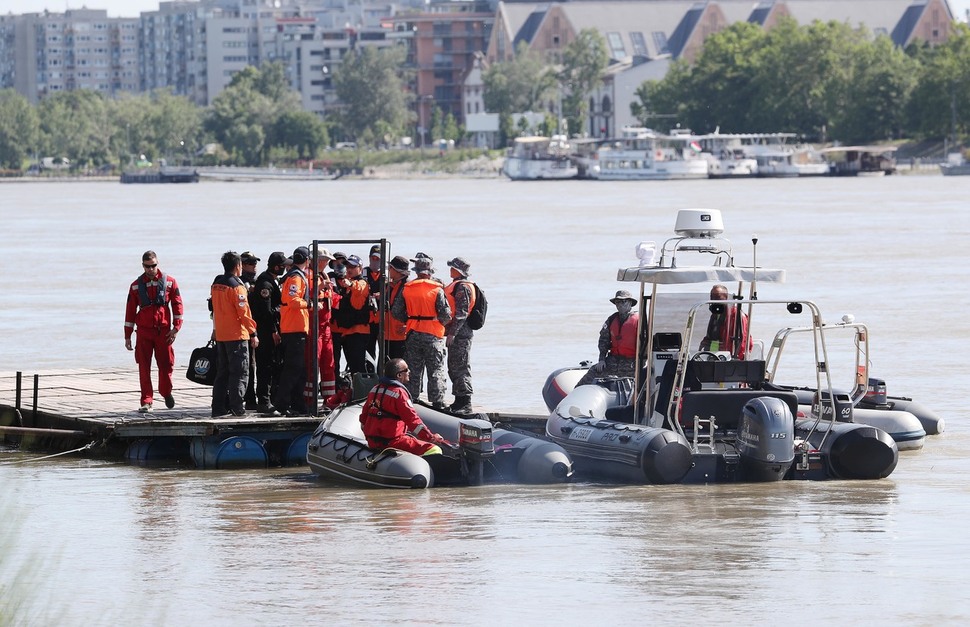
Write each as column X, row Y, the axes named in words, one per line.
column 475, row 444
column 843, row 406
column 875, row 395
column 766, row 439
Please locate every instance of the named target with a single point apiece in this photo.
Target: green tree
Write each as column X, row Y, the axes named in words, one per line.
column 74, row 124
column 302, row 131
column 524, row 84
column 175, row 123
column 940, row 103
column 583, row 61
column 243, row 117
column 882, row 81
column 370, row 84
column 19, row 129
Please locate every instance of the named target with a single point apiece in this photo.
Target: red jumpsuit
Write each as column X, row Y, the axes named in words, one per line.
column 388, row 416
column 152, row 317
column 325, row 362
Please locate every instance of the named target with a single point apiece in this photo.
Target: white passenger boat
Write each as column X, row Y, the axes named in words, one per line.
column 778, row 156
column 726, row 156
column 642, row 154
column 540, row 159
column 699, row 416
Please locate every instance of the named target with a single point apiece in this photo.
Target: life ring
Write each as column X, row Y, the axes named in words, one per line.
column 659, row 155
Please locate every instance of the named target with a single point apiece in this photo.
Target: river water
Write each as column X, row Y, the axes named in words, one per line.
column 92, row 542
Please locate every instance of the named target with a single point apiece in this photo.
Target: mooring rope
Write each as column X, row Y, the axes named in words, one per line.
column 37, row 459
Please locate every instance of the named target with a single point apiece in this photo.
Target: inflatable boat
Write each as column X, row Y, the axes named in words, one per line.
column 337, row 450
column 692, row 416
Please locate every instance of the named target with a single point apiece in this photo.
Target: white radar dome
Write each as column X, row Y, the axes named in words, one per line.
column 699, row 223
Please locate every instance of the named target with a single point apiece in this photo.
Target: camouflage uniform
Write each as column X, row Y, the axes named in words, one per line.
column 459, row 350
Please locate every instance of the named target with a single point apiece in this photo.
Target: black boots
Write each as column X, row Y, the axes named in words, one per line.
column 462, row 405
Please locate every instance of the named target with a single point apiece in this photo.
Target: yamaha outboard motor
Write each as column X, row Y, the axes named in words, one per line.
column 843, row 406
column 475, row 443
column 766, row 439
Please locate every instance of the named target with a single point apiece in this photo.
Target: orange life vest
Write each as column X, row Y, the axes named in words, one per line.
column 420, row 296
column 394, row 329
column 450, row 295
column 623, row 336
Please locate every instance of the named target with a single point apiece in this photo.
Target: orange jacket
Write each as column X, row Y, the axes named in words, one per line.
column 420, row 299
column 394, row 329
column 356, row 301
column 294, row 317
column 230, row 309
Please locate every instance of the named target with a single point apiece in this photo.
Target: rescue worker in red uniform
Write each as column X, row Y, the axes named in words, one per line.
column 722, row 328
column 617, row 341
column 327, row 299
column 388, row 418
column 154, row 312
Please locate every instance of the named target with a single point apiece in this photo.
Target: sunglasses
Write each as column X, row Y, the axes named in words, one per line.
column 149, row 265
column 403, row 371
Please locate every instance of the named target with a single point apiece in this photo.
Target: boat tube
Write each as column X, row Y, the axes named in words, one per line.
column 902, row 426
column 614, row 450
column 876, row 398
column 853, row 451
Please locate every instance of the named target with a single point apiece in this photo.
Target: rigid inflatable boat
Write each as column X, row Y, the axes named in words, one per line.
column 337, row 450
column 700, row 416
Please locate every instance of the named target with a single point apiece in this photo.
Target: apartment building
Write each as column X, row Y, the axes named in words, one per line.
column 45, row 53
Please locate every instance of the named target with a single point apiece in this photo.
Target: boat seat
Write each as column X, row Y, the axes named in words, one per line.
column 726, row 405
column 623, row 413
column 751, row 372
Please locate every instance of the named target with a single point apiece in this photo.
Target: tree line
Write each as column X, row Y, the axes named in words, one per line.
column 825, row 81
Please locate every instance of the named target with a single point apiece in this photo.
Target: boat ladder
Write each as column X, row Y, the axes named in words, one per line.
column 705, row 438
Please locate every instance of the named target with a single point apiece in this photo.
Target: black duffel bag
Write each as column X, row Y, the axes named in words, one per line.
column 202, row 365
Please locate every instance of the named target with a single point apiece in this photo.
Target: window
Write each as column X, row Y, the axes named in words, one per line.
column 639, row 44
column 660, row 41
column 616, row 45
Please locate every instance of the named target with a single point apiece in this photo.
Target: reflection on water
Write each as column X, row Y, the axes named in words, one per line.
column 114, row 544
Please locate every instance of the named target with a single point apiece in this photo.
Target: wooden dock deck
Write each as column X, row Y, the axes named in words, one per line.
column 57, row 409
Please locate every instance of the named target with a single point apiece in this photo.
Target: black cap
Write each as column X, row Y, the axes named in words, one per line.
column 248, row 258
column 375, row 250
column 276, row 259
column 301, row 254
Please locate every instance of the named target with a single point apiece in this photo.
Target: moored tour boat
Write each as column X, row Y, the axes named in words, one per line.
column 539, row 159
column 642, row 154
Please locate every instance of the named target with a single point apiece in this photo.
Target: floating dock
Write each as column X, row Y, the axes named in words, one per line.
column 96, row 412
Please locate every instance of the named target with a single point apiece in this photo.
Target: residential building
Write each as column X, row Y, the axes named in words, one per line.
column 45, row 53
column 442, row 43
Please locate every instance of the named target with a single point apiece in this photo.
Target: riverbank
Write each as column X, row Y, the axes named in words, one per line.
column 913, row 158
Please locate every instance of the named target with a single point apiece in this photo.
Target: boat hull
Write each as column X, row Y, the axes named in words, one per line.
column 539, row 169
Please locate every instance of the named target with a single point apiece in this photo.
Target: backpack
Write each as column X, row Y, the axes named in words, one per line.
column 476, row 317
